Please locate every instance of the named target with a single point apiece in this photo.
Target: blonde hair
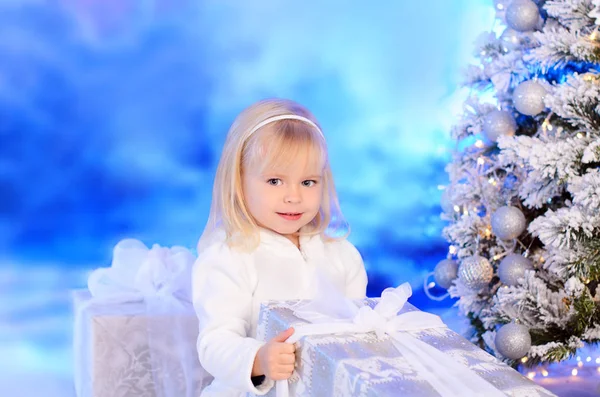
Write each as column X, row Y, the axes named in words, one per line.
column 268, row 147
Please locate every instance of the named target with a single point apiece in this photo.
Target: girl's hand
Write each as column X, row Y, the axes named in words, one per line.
column 276, row 359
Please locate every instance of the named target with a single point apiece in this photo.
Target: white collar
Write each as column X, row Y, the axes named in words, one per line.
column 270, row 237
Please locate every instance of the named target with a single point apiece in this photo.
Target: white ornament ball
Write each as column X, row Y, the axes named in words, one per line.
column 528, row 98
column 522, row 15
column 512, row 268
column 510, row 39
column 508, row 223
column 445, row 272
column 475, row 272
column 498, row 123
column 513, row 340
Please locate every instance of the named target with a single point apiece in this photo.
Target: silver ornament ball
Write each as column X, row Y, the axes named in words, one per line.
column 498, row 123
column 513, row 340
column 512, row 268
column 510, row 39
column 522, row 15
column 528, row 98
column 445, row 272
column 508, row 223
column 475, row 272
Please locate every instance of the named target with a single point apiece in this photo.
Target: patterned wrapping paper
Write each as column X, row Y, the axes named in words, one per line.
column 364, row 365
column 115, row 357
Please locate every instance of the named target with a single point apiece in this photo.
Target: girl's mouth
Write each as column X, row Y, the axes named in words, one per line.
column 290, row 216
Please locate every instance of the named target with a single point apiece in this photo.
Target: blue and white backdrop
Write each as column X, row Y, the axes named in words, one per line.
column 113, row 113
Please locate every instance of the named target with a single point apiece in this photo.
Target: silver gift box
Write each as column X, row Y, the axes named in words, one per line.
column 365, row 365
column 115, row 355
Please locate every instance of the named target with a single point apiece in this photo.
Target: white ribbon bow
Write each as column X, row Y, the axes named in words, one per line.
column 138, row 273
column 332, row 313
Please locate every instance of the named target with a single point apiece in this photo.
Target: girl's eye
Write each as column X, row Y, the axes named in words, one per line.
column 309, row 183
column 274, row 181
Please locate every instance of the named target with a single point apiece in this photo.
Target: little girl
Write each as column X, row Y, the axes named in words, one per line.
column 274, row 223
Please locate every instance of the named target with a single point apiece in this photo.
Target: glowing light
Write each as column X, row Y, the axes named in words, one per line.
column 574, row 372
column 431, row 284
column 524, row 360
column 579, row 135
column 531, row 375
column 580, row 364
column 452, row 249
column 588, row 359
column 456, row 208
column 479, row 144
column 544, row 373
column 598, row 360
column 578, row 358
column 481, row 161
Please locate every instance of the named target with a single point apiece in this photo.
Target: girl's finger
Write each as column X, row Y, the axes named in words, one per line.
column 287, row 359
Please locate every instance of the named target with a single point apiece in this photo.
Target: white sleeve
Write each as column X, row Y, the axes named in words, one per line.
column 222, row 297
column 356, row 275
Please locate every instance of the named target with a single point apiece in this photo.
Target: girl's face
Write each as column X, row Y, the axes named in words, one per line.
column 285, row 198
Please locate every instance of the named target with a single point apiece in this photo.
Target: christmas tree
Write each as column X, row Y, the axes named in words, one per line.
column 523, row 201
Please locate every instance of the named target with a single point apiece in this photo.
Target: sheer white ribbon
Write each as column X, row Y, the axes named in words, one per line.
column 332, row 313
column 159, row 278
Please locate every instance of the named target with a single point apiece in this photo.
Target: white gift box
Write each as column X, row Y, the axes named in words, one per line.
column 383, row 347
column 135, row 329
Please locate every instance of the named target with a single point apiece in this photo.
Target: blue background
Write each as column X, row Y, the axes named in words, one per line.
column 113, row 114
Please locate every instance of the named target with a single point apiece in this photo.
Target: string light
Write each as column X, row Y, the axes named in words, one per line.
column 531, row 375
column 594, row 35
column 580, row 364
column 574, row 372
column 598, row 369
column 456, row 208
column 588, row 359
column 481, row 161
column 589, row 77
column 431, row 284
column 578, row 358
column 598, row 360
column 452, row 250
column 479, row 144
column 524, row 360
column 546, row 126
column 544, row 373
column 579, row 135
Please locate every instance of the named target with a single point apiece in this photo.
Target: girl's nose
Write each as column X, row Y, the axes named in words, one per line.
column 292, row 195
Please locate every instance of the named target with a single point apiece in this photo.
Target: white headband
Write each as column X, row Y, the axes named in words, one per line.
column 283, row 117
